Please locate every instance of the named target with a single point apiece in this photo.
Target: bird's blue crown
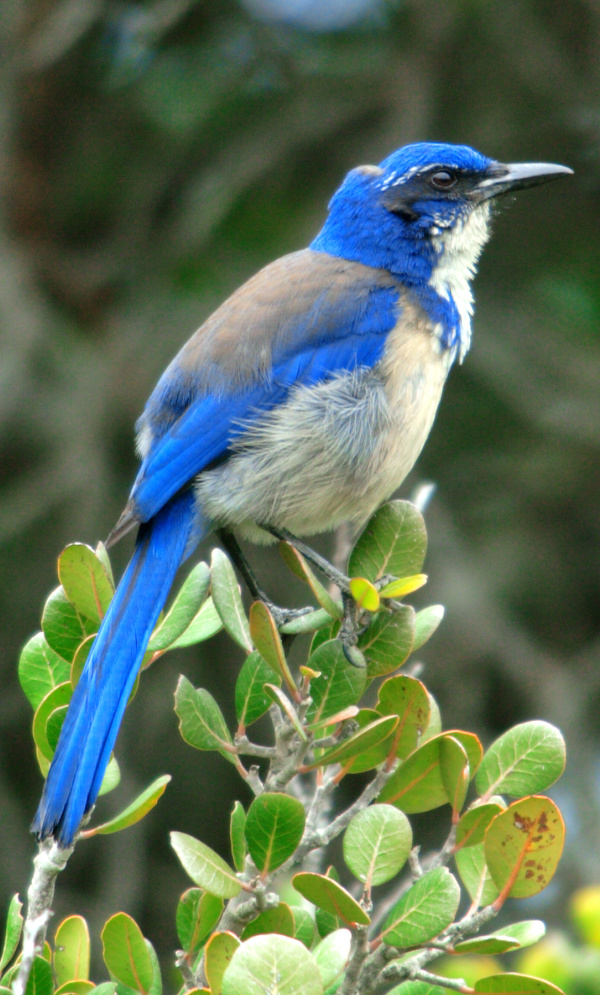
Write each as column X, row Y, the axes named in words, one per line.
column 401, row 215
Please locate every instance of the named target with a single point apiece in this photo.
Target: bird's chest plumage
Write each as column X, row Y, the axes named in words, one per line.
column 414, row 370
column 334, row 451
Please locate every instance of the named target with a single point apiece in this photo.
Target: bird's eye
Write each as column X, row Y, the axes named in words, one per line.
column 443, row 179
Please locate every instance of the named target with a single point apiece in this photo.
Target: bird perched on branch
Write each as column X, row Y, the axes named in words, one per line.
column 301, row 403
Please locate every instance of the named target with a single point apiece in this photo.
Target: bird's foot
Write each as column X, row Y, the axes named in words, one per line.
column 315, row 559
column 350, row 629
column 354, row 619
column 281, row 616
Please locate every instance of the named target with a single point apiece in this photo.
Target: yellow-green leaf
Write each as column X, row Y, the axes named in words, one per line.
column 135, row 811
column 401, row 586
column 365, row 594
column 72, row 950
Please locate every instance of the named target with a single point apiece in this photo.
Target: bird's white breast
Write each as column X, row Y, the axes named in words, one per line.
column 458, row 250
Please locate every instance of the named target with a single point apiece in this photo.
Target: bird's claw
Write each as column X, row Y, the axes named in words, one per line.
column 281, row 616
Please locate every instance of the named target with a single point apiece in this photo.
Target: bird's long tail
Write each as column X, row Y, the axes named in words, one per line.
column 96, row 709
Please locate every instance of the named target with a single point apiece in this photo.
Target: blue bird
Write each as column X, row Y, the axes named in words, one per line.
column 301, row 403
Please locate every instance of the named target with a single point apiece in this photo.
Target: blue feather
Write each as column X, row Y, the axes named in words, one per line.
column 207, row 428
column 96, row 709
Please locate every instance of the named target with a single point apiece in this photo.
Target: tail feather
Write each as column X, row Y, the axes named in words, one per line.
column 96, row 709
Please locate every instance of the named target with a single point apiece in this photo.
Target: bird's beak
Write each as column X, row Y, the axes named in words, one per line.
column 500, row 178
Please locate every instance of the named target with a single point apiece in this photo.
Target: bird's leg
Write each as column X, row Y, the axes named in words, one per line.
column 351, row 621
column 281, row 615
column 314, row 558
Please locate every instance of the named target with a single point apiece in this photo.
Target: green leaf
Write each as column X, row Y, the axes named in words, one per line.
column 251, row 700
column 325, row 921
column 40, row 980
column 277, row 920
column 350, row 712
column 300, row 568
column 362, row 741
column 156, row 986
column 126, row 954
column 63, row 626
column 79, row 660
column 324, row 634
column 237, row 828
column 79, row 987
column 219, row 953
column 475, row 875
column 518, row 934
column 201, row 721
column 183, row 610
column 407, row 698
column 523, row 846
column 205, row 624
column 197, row 915
column 328, row 895
column 393, row 542
column 526, row 759
column 417, row 785
column 57, row 698
column 454, row 768
column 375, row 755
column 112, row 777
column 135, row 811
column 54, row 725
column 377, row 843
column 85, row 581
column 12, row 933
column 72, row 951
column 204, row 866
column 40, row 669
column 427, row 908
column 388, row 641
column 304, row 926
column 272, row 965
column 331, row 955
column 311, row 622
column 417, row 988
column 426, row 623
column 473, row 824
column 267, row 640
column 102, row 554
column 516, row 984
column 434, row 726
column 339, row 685
column 274, row 828
column 228, row 600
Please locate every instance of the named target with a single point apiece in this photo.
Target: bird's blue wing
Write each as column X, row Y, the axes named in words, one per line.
column 300, row 321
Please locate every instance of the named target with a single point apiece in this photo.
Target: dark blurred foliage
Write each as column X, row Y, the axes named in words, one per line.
column 157, row 154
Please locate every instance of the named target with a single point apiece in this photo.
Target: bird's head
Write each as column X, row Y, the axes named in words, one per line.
column 423, row 214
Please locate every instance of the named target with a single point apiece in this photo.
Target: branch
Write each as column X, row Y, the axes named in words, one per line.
column 243, row 745
column 48, row 864
column 377, row 975
column 456, row 984
column 358, row 955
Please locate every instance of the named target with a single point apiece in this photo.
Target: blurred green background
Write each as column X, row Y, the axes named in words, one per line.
column 154, row 156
